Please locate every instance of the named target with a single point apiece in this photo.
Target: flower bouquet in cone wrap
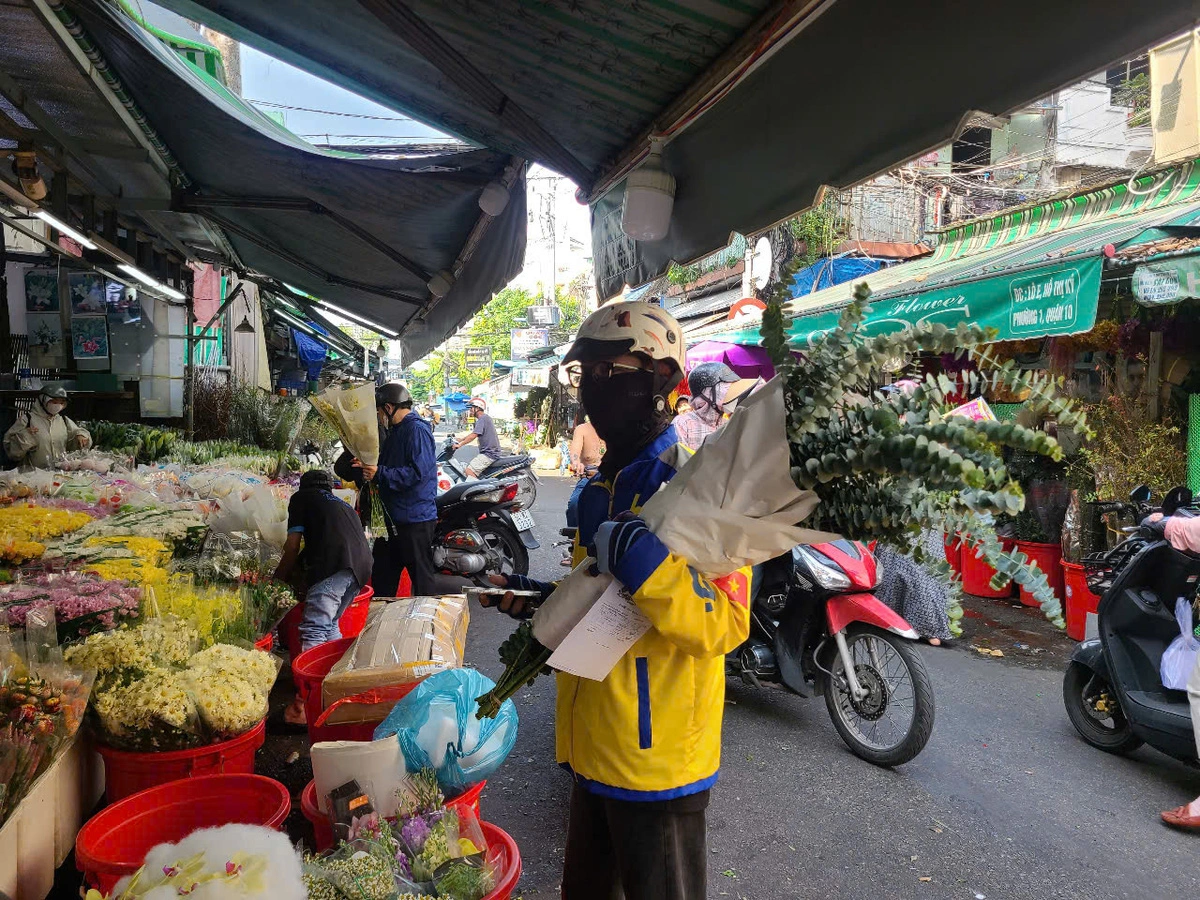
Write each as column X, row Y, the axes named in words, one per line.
column 351, row 410
column 819, row 445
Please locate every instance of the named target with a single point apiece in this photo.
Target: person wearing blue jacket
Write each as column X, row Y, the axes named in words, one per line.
column 406, row 477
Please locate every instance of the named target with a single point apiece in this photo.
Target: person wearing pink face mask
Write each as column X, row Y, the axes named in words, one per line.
column 710, row 384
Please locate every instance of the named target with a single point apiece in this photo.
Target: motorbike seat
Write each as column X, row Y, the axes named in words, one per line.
column 463, row 491
column 505, row 462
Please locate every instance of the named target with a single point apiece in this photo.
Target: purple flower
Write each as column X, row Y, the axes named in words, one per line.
column 414, row 832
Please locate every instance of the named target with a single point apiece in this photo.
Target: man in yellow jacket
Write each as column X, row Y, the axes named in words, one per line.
column 644, row 744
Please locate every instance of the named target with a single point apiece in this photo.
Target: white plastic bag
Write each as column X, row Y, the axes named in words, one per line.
column 1180, row 657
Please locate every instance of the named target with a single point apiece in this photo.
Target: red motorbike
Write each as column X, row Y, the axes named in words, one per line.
column 817, row 627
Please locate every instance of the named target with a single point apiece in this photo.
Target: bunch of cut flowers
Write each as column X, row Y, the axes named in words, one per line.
column 820, row 444
column 429, row 851
column 154, row 691
column 41, row 707
column 26, row 527
column 83, row 603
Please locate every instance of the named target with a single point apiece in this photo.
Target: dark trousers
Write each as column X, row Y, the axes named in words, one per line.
column 410, row 548
column 385, row 571
column 636, row 851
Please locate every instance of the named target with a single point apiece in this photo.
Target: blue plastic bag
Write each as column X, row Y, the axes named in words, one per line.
column 436, row 726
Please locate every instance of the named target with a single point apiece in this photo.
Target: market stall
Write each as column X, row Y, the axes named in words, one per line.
column 140, row 613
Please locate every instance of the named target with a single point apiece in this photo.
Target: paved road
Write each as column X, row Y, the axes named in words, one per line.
column 1005, row 802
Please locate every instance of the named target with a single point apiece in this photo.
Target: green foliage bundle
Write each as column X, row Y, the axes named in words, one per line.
column 143, row 443
column 1130, row 449
column 887, row 466
column 264, row 420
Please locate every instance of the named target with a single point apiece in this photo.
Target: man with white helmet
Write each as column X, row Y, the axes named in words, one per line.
column 643, row 744
column 489, row 441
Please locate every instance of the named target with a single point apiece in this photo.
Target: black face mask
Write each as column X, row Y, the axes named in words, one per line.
column 625, row 414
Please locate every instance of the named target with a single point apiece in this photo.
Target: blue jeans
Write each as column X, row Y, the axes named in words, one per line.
column 323, row 606
column 573, row 502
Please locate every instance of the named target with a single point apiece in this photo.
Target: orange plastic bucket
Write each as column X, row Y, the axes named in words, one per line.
column 323, row 828
column 1048, row 558
column 1078, row 599
column 114, row 843
column 127, row 772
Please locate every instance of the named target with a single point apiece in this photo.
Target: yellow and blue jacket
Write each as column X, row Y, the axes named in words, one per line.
column 651, row 730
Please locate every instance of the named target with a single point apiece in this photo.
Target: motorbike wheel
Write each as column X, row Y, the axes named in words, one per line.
column 1105, row 729
column 506, row 545
column 892, row 723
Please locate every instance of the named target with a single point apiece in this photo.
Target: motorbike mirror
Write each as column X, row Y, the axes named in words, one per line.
column 1176, row 498
column 1140, row 494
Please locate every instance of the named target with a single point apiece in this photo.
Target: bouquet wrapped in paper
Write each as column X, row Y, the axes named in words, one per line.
column 351, row 410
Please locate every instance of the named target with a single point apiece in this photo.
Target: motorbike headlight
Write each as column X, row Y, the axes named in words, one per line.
column 823, row 570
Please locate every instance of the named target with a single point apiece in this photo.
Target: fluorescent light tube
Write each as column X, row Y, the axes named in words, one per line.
column 150, row 282
column 355, row 317
column 64, row 228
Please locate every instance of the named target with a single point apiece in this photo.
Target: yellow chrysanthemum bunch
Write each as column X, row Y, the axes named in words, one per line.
column 143, row 565
column 24, row 528
column 207, row 607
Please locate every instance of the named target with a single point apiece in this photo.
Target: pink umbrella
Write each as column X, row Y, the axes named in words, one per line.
column 747, row 362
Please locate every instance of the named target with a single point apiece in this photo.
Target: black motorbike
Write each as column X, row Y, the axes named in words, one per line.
column 1112, row 688
column 476, row 532
column 816, row 627
column 518, row 468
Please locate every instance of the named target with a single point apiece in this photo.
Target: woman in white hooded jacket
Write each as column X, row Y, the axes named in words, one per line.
column 43, row 434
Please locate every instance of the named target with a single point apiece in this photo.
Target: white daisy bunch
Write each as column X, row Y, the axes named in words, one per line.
column 108, row 650
column 228, row 705
column 253, row 666
column 159, row 698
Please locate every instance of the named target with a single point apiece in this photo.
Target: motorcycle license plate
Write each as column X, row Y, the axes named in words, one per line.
column 523, row 520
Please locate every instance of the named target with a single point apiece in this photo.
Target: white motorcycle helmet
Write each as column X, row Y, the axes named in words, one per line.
column 631, row 326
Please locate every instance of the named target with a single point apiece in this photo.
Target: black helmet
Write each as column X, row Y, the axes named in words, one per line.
column 393, row 393
column 708, row 375
column 54, row 392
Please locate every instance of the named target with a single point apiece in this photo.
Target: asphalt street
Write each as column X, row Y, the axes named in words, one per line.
column 1005, row 801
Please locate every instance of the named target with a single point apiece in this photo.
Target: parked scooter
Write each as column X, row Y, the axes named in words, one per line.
column 1113, row 688
column 477, row 533
column 815, row 627
column 518, row 467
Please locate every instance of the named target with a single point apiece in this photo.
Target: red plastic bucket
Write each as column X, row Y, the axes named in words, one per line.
column 954, row 552
column 114, row 843
column 354, row 619
column 309, row 670
column 1048, row 558
column 977, row 575
column 127, row 772
column 506, row 857
column 323, row 829
column 351, row 624
column 266, row 643
column 1078, row 599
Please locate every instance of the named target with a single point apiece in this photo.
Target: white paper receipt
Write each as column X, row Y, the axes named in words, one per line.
column 603, row 636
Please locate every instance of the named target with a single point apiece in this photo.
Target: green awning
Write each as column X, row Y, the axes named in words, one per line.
column 1047, row 300
column 1025, row 286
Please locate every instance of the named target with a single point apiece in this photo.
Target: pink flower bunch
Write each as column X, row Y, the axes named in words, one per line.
column 72, row 595
column 95, row 510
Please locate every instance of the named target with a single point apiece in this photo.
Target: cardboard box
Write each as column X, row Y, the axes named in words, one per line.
column 41, row 832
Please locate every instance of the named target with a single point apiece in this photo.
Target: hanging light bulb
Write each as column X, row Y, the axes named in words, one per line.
column 494, row 198
column 649, row 198
column 440, row 284
column 244, row 327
